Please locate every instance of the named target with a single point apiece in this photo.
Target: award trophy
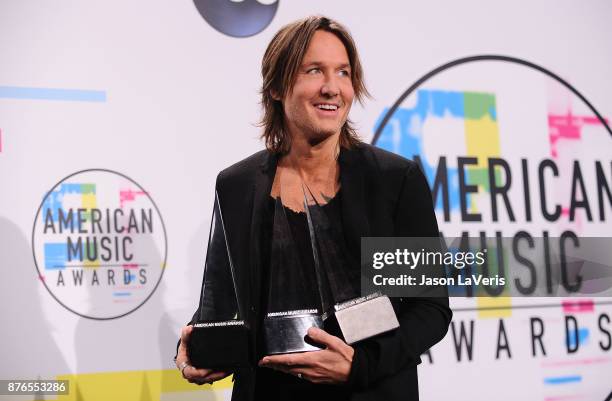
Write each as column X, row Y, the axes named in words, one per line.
column 346, row 314
column 294, row 302
column 220, row 337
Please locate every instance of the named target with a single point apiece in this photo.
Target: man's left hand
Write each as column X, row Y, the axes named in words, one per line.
column 331, row 365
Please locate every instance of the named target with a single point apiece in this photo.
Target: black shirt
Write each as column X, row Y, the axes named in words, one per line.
column 271, row 384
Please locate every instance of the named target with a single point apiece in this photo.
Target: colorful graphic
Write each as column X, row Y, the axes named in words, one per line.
column 99, row 244
column 547, row 144
column 477, row 114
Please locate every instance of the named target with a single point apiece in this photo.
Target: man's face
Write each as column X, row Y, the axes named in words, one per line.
column 322, row 95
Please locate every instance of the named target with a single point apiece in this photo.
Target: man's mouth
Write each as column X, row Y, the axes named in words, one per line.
column 326, row 106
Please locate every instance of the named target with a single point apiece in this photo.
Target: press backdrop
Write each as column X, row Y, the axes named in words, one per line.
column 124, row 112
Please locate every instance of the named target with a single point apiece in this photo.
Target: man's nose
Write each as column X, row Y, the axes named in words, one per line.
column 330, row 87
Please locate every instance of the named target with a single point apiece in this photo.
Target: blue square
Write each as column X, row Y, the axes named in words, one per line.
column 55, row 255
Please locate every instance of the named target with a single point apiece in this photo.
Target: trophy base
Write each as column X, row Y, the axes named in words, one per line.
column 219, row 345
column 287, row 332
column 362, row 318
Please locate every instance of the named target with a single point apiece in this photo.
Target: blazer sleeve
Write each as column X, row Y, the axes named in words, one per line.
column 423, row 321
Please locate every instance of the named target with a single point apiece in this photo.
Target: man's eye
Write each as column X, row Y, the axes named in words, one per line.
column 344, row 73
column 313, row 71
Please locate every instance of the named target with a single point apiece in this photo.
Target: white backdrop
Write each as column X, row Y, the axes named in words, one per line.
column 152, row 91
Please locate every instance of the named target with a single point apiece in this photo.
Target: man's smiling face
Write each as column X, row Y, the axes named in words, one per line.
column 321, row 98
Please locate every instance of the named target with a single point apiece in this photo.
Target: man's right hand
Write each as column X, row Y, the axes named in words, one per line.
column 190, row 373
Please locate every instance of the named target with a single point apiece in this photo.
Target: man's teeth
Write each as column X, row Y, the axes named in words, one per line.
column 327, row 107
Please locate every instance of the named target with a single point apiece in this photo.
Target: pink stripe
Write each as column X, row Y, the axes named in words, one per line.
column 578, row 306
column 589, row 361
column 128, row 195
column 567, row 127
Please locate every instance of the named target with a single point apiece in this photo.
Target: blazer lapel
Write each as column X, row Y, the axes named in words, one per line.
column 262, row 185
column 354, row 210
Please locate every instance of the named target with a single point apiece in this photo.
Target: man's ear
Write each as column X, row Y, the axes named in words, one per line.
column 275, row 96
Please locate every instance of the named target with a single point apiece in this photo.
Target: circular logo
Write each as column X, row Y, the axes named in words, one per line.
column 504, row 141
column 237, row 18
column 99, row 244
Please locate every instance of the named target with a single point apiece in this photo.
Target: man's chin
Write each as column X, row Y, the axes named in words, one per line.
column 319, row 136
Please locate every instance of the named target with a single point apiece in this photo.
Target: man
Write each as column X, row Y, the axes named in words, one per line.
column 311, row 75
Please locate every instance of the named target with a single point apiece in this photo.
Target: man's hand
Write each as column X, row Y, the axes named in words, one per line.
column 331, row 365
column 190, row 373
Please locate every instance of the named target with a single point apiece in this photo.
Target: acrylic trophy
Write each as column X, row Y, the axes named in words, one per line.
column 346, row 314
column 220, row 337
column 293, row 302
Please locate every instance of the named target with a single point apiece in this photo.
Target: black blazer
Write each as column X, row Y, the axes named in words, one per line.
column 382, row 195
